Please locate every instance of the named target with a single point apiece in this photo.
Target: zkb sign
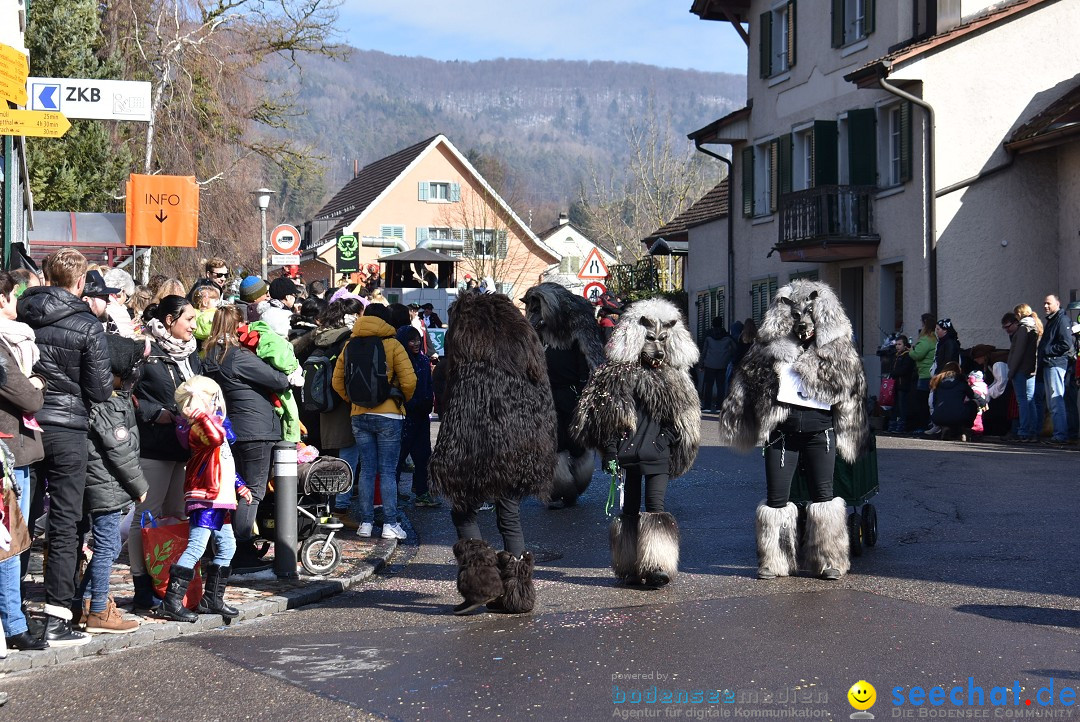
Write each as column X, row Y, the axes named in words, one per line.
column 89, row 98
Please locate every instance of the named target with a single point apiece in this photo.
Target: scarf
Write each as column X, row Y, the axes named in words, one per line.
column 170, row 344
column 20, row 339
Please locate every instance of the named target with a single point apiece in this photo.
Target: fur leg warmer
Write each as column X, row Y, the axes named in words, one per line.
column 776, row 540
column 827, row 544
column 518, row 594
column 658, row 545
column 623, row 534
column 478, row 579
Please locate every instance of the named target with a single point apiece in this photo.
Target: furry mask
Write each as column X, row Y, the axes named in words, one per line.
column 560, row 318
column 807, row 312
column 652, row 333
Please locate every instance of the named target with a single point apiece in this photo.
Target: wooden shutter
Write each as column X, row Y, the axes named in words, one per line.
column 421, row 234
column 837, row 23
column 748, row 181
column 825, row 152
column 774, row 173
column 423, row 191
column 905, row 141
column 765, row 44
column 467, row 249
column 868, row 13
column 862, row 147
column 784, row 163
column 702, row 314
column 719, row 306
column 791, row 34
column 502, row 246
column 455, row 192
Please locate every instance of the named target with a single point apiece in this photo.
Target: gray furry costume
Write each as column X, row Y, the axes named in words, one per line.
column 642, row 409
column 573, row 349
column 496, row 441
column 805, row 339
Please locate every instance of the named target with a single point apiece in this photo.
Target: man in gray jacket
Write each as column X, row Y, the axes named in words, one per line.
column 1055, row 354
column 717, row 351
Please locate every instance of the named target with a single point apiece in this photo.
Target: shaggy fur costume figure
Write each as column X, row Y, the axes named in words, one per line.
column 642, row 408
column 573, row 348
column 478, row 579
column 804, row 330
column 497, row 436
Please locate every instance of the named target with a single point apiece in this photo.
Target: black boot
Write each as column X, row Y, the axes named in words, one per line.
column 173, row 607
column 213, row 600
column 145, row 599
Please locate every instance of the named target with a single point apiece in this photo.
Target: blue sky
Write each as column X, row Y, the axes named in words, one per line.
column 657, row 32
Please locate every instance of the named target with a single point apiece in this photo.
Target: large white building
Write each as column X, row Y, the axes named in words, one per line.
column 917, row 155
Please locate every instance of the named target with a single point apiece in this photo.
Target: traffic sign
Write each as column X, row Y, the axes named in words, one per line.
column 287, row 259
column 594, row 267
column 285, row 239
column 593, row 291
column 33, row 123
column 89, row 98
column 14, row 67
column 162, row 210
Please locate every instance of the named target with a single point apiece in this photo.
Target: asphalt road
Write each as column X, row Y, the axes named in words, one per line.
column 974, row 576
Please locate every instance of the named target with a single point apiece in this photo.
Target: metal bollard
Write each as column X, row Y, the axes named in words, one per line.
column 285, row 478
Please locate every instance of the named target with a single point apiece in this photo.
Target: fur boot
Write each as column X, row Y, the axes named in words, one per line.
column 518, row 596
column 478, row 574
column 572, row 476
column 776, row 540
column 658, row 548
column 827, row 545
column 624, row 547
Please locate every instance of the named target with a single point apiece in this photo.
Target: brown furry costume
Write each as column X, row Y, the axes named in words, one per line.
column 497, row 432
column 806, row 327
column 644, row 387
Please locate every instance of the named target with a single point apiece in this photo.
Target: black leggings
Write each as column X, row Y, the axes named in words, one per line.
column 806, row 435
column 655, row 490
column 507, row 518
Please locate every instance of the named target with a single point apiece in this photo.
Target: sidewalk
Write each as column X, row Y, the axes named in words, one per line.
column 255, row 595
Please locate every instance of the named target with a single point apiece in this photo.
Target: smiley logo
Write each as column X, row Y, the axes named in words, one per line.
column 862, row 695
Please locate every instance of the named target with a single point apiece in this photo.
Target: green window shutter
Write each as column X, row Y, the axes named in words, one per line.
column 702, row 314
column 421, row 234
column 502, row 246
column 772, row 291
column 423, row 190
column 905, row 142
column 837, row 23
column 784, row 163
column 825, row 153
column 791, row 33
column 468, row 250
column 774, row 173
column 871, row 6
column 765, row 44
column 748, row 181
column 455, row 192
column 386, row 231
column 862, row 146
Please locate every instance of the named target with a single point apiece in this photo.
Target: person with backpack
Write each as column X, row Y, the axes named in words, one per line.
column 375, row 375
column 335, row 429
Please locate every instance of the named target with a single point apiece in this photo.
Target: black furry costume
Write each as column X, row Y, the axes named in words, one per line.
column 642, row 408
column 573, row 349
column 497, row 432
column 805, row 330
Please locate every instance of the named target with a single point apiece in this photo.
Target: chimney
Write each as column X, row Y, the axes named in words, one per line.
column 563, row 219
column 355, row 167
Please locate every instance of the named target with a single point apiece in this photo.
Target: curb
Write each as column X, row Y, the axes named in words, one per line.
column 311, row 592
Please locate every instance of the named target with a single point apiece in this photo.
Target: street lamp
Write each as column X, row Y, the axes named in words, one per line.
column 262, row 197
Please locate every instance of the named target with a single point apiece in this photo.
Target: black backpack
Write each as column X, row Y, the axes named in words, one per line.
column 319, row 395
column 367, row 380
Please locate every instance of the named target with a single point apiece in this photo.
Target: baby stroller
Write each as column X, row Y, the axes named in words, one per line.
column 317, row 484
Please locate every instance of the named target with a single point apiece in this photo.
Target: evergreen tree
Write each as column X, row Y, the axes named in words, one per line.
column 86, row 168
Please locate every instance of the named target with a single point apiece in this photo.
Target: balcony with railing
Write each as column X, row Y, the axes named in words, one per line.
column 828, row 223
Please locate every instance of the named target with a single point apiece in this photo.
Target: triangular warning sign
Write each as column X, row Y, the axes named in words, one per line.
column 594, row 267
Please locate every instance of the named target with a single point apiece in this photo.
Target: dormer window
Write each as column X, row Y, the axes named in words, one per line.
column 852, row 21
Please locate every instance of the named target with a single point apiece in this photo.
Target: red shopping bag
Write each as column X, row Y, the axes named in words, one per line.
column 162, row 547
column 887, row 392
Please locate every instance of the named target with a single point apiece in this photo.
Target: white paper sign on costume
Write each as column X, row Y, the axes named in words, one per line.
column 792, row 391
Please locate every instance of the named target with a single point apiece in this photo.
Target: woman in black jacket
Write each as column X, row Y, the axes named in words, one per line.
column 248, row 384
column 170, row 324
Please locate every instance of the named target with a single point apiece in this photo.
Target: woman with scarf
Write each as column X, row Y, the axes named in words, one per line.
column 172, row 361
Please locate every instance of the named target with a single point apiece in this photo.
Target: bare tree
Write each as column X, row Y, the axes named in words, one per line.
column 661, row 180
column 208, row 62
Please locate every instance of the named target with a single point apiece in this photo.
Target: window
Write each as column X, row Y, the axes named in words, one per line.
column 439, row 191
column 762, row 293
column 924, row 19
column 777, row 41
column 710, row 304
column 483, row 242
column 814, row 155
column 570, row 264
column 432, row 233
column 895, row 161
column 802, row 158
column 392, row 232
column 852, row 20
column 761, row 179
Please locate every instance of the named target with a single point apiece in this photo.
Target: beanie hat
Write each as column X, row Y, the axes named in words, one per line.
column 945, row 323
column 282, row 287
column 252, row 288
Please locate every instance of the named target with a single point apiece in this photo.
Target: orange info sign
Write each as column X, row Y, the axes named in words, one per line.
column 162, row 210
